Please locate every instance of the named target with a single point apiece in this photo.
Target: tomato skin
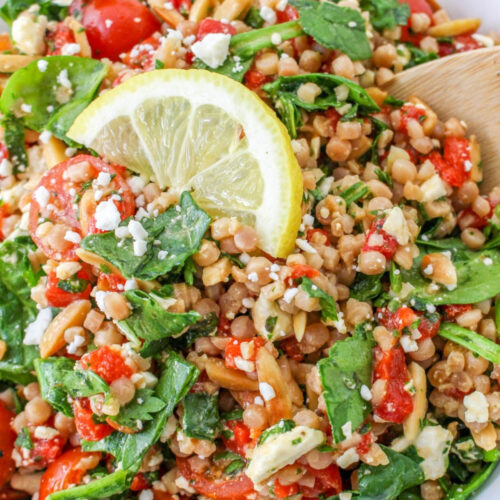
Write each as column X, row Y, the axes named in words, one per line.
column 240, row 439
column 63, row 197
column 45, row 451
column 457, row 155
column 255, row 79
column 284, row 491
column 419, row 7
column 7, row 438
column 237, row 488
column 301, row 270
column 453, row 310
column 426, row 327
column 327, row 482
column 366, row 443
column 290, row 13
column 139, row 482
column 111, row 282
column 57, row 297
column 108, row 363
column 401, row 318
column 57, row 39
column 397, row 402
column 142, row 55
column 409, row 112
column 123, row 33
column 389, row 244
column 65, row 471
column 233, row 350
column 460, row 43
column 209, row 25
column 85, row 425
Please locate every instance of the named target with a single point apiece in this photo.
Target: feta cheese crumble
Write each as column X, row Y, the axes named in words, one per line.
column 107, row 216
column 267, row 391
column 213, row 49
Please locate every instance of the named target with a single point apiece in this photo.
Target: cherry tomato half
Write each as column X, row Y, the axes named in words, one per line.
column 85, row 425
column 108, row 363
column 7, row 438
column 62, row 294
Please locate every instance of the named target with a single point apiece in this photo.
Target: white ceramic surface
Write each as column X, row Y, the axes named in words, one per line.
column 489, row 12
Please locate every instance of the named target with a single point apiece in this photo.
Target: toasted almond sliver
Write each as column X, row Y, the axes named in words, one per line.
column 455, row 27
column 228, row 378
column 12, row 62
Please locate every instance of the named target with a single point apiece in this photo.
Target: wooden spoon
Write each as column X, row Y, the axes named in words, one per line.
column 466, row 86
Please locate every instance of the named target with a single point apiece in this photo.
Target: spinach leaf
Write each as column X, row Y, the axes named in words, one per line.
column 79, row 77
column 141, row 409
column 234, row 66
column 204, row 328
column 150, row 321
column 253, row 18
column 386, row 13
column 366, row 287
column 12, row 8
column 446, row 244
column 201, row 415
column 279, row 428
column 14, row 141
column 23, row 439
column 335, row 27
column 464, row 491
column 179, row 231
column 283, row 92
column 326, row 301
column 176, row 379
column 386, row 482
column 476, row 275
column 346, row 369
column 473, row 341
column 17, row 310
column 58, row 379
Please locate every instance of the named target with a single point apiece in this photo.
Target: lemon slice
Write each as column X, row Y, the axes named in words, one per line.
column 205, row 133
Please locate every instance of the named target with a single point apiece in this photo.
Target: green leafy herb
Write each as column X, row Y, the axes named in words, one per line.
column 279, row 428
column 84, row 383
column 476, row 275
column 17, row 310
column 236, row 462
column 343, row 372
column 355, row 192
column 392, row 101
column 14, row 140
column 11, row 9
column 40, row 89
column 179, row 231
column 366, row 287
column 140, row 409
column 176, row 379
column 464, row 491
column 326, row 301
column 419, row 56
column 253, row 18
column 283, row 92
column 23, row 439
column 383, row 177
column 201, row 415
column 335, row 27
column 73, row 285
column 270, row 323
column 395, row 278
column 386, row 482
column 386, row 13
column 159, row 64
column 486, row 348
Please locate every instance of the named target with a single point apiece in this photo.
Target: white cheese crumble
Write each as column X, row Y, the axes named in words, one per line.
column 276, row 39
column 395, row 224
column 244, row 365
column 476, row 407
column 408, row 344
column 5, row 168
column 290, row 294
column 268, row 14
column 77, row 342
column 348, row 458
column 305, row 246
column 347, row 429
column 45, row 136
column 433, row 188
column 63, row 79
column 365, row 392
column 35, row 330
column 140, row 248
column 131, row 285
column 137, row 231
column 433, row 445
column 108, row 23
column 42, row 65
column 70, row 49
column 428, row 269
column 103, row 179
column 213, row 49
column 73, row 237
column 487, row 261
column 254, row 277
column 42, row 196
column 136, row 184
column 107, row 216
column 267, row 391
column 146, row 495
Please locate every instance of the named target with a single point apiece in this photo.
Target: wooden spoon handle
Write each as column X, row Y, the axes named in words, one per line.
column 466, row 86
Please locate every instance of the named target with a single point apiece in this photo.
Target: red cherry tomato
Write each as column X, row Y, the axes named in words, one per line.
column 366, row 443
column 321, row 234
column 377, row 240
column 111, row 282
column 457, row 155
column 469, row 218
column 113, row 27
column 214, row 486
column 58, row 297
column 419, row 6
column 426, row 327
column 397, row 402
column 66, row 471
column 284, row 491
column 233, row 351
column 334, row 117
column 401, row 318
column 460, row 43
column 453, row 310
column 7, row 438
column 240, row 436
column 182, row 5
column 209, row 25
column 108, row 363
column 224, row 325
column 63, row 194
column 410, row 112
column 301, row 270
column 45, row 451
column 255, row 79
column 142, row 55
column 290, row 13
column 57, row 39
column 327, row 482
column 85, row 425
column 139, row 482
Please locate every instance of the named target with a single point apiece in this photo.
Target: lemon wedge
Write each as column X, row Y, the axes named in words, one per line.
column 205, row 133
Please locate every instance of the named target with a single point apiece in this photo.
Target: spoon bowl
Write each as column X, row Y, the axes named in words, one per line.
column 465, row 85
